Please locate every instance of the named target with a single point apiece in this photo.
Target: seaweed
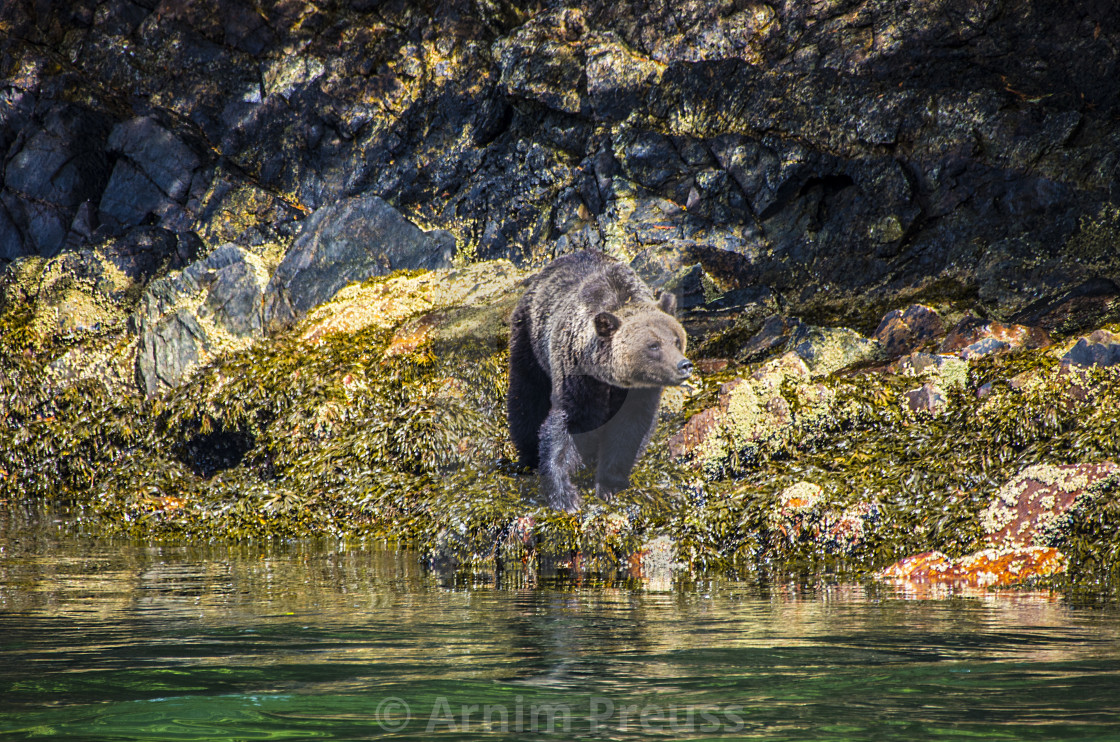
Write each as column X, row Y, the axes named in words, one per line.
column 293, row 438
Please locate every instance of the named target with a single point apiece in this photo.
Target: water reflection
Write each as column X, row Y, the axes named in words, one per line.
column 240, row 641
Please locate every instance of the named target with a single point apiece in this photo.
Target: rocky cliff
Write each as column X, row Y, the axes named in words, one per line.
column 825, row 155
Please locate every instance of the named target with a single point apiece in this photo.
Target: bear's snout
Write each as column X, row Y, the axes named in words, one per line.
column 684, row 368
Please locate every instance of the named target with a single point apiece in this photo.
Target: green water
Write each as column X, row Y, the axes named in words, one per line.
column 118, row 641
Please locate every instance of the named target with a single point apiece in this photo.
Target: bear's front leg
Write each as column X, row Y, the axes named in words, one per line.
column 559, row 458
column 623, row 440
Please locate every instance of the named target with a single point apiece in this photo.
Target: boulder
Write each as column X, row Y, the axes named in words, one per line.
column 829, row 349
column 189, row 317
column 453, row 303
column 798, row 510
column 90, row 290
column 950, row 371
column 1023, row 524
column 903, row 331
column 993, row 567
column 928, row 399
column 348, row 242
column 1098, row 348
column 1031, row 508
column 823, row 349
column 752, row 418
column 974, row 337
column 802, row 516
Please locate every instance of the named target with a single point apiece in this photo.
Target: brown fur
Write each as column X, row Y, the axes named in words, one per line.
column 590, row 351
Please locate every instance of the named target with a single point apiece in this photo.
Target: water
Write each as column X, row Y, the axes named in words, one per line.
column 117, row 641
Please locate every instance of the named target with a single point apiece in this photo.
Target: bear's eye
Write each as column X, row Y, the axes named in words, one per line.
column 678, row 342
column 655, row 346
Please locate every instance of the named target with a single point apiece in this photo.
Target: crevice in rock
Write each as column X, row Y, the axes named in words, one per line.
column 207, row 454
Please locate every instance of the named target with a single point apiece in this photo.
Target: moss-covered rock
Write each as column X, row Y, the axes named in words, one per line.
column 755, row 417
column 382, row 415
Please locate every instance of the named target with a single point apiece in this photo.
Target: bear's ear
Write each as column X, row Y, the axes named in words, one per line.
column 605, row 324
column 668, row 302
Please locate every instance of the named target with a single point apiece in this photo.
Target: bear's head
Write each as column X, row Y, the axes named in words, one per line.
column 644, row 344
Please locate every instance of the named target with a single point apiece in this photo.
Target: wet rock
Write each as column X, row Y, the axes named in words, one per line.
column 773, row 336
column 1099, row 348
column 752, row 418
column 801, row 516
column 903, row 331
column 1023, row 523
column 653, row 563
column 928, row 399
column 1090, row 304
column 974, row 337
column 994, row 567
column 1032, row 508
column 817, row 162
column 91, row 290
column 695, row 432
column 846, row 533
column 109, row 361
column 350, row 241
column 190, row 317
column 823, row 349
column 412, row 336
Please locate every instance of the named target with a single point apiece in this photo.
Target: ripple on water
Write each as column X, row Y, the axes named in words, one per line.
column 322, row 641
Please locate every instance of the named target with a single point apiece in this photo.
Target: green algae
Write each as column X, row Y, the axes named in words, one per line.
column 291, row 438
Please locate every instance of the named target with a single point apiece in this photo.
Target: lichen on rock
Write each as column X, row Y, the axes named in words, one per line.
column 755, row 417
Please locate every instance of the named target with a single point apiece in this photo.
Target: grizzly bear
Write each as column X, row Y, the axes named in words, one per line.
column 590, row 351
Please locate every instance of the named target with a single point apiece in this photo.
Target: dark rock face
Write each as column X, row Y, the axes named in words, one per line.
column 1091, row 304
column 827, row 157
column 350, row 241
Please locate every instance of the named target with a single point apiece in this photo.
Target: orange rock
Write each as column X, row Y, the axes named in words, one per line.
column 711, row 365
column 929, row 565
column 1027, row 508
column 694, row 433
column 904, row 331
column 974, row 337
column 1001, row 567
column 993, row 567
